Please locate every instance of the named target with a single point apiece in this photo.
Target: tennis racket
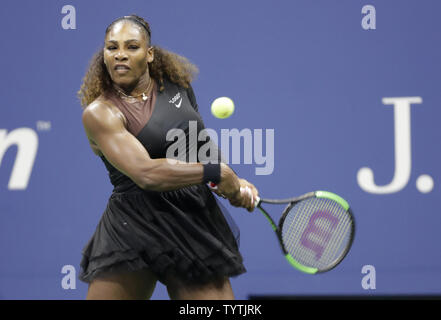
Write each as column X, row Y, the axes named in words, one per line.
column 315, row 232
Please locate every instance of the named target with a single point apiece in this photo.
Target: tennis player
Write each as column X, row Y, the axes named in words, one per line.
column 162, row 222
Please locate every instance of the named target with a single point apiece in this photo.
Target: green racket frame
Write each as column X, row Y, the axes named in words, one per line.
column 278, row 228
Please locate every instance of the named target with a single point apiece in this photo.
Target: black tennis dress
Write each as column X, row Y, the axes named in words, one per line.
column 186, row 232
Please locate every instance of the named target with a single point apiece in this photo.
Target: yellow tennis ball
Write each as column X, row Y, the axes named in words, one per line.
column 222, row 107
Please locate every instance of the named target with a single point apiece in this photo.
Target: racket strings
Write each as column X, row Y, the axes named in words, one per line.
column 295, row 225
column 316, row 232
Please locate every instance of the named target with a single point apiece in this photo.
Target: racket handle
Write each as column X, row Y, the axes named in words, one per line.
column 213, row 186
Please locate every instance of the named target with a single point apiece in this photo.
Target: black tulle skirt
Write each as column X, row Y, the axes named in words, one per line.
column 183, row 232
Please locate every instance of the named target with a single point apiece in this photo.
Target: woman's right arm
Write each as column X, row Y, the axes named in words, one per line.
column 129, row 156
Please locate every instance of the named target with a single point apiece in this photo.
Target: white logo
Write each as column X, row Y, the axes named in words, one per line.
column 403, row 155
column 26, row 141
column 175, row 98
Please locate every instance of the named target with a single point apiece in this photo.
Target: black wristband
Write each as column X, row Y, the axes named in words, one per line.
column 212, row 172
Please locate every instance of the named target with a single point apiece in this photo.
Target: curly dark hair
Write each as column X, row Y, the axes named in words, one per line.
column 174, row 67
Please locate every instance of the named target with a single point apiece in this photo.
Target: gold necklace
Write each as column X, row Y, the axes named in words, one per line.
column 144, row 96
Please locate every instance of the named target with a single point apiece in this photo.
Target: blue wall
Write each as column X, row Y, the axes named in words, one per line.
column 308, row 70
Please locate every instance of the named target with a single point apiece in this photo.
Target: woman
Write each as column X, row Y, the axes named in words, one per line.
column 162, row 221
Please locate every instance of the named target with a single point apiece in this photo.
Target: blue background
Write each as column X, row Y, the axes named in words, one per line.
column 306, row 69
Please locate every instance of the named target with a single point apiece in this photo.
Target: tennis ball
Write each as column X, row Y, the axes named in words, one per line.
column 222, row 107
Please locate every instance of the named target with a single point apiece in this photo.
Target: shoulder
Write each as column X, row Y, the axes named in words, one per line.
column 101, row 114
column 171, row 85
column 190, row 91
column 100, row 108
column 192, row 97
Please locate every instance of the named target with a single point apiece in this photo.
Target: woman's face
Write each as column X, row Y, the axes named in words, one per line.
column 126, row 45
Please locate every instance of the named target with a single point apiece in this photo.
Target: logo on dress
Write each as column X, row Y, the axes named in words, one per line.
column 176, row 98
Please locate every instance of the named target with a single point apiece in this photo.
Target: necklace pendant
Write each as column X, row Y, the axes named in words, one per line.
column 144, row 97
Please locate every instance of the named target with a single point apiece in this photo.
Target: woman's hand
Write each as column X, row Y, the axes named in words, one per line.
column 239, row 192
column 249, row 187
